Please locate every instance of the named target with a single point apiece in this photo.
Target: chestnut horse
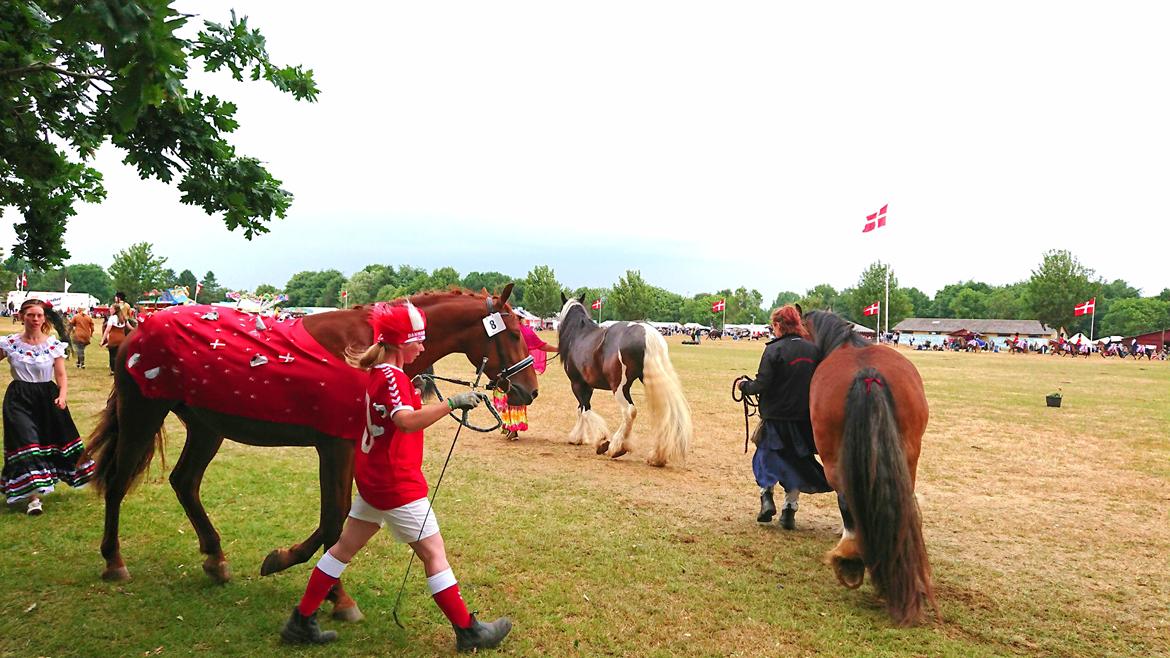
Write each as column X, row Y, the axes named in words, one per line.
column 130, row 428
column 612, row 358
column 869, row 413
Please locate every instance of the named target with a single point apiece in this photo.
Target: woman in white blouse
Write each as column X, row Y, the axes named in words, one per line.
column 41, row 444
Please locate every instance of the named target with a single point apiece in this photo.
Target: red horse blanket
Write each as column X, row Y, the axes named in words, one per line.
column 247, row 365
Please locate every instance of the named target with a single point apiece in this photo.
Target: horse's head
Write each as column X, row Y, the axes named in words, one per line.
column 479, row 333
column 568, row 306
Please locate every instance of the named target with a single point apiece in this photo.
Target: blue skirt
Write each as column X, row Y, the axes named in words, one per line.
column 786, row 455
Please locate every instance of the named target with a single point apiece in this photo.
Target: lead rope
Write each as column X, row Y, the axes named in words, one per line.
column 431, row 504
column 750, row 402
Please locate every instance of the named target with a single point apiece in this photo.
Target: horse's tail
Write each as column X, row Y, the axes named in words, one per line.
column 880, row 494
column 102, row 447
column 664, row 397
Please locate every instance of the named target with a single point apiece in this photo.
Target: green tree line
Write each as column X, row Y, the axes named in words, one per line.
column 1057, row 284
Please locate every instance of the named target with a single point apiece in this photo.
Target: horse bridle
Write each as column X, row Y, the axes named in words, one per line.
column 505, row 374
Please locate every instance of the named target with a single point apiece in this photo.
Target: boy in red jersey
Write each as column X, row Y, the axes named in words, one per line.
column 392, row 491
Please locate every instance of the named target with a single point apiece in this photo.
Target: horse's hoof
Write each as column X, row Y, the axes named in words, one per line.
column 219, row 571
column 116, row 574
column 274, row 562
column 657, row 463
column 350, row 614
column 602, row 447
column 619, row 453
column 850, row 573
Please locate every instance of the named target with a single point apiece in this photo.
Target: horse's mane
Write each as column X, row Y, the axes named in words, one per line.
column 830, row 331
column 570, row 330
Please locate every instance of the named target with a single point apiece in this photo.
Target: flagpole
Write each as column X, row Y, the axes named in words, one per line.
column 1092, row 319
column 886, row 305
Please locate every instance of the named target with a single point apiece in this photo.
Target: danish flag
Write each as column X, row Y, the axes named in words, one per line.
column 872, row 309
column 876, row 220
column 718, row 306
column 597, row 304
column 1087, row 308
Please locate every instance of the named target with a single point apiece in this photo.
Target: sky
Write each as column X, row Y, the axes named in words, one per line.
column 708, row 145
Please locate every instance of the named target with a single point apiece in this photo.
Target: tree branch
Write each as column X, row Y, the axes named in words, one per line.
column 41, row 66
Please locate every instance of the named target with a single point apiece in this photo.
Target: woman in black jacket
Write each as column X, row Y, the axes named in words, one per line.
column 785, row 452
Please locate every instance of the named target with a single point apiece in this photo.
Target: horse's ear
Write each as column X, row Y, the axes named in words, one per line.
column 582, row 299
column 485, row 291
column 505, row 293
column 564, row 300
column 799, row 311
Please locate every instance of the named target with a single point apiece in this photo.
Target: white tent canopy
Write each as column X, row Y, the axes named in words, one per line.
column 696, row 325
column 754, row 328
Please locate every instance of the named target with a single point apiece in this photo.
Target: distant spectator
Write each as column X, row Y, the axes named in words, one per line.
column 81, row 327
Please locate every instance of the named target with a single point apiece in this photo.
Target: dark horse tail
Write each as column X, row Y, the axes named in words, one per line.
column 880, row 496
column 102, row 447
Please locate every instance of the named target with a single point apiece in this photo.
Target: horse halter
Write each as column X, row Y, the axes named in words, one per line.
column 505, row 374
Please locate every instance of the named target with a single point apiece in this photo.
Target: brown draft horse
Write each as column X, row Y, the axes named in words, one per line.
column 869, row 413
column 613, row 358
column 129, row 430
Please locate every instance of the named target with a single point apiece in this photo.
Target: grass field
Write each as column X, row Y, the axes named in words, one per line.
column 1048, row 531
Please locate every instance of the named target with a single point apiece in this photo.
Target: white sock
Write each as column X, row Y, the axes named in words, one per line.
column 330, row 565
column 441, row 581
column 792, row 499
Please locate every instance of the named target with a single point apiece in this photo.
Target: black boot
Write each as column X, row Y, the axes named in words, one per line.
column 300, row 629
column 480, row 635
column 788, row 518
column 767, row 506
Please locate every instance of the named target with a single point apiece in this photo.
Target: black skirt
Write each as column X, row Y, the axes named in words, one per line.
column 41, row 444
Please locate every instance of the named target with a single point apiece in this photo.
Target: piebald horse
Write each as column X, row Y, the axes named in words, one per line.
column 869, row 413
column 613, row 358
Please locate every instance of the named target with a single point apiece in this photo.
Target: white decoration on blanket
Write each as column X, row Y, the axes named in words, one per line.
column 259, row 360
column 133, row 360
column 287, row 358
column 216, row 344
column 152, row 373
column 260, row 324
column 210, row 315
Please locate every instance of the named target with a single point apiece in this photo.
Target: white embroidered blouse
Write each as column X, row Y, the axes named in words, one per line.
column 32, row 363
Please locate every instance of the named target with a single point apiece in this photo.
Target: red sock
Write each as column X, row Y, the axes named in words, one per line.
column 452, row 605
column 315, row 592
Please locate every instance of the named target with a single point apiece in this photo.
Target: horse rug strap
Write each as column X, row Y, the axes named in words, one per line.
column 222, row 360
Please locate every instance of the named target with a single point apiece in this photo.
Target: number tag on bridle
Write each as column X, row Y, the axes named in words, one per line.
column 493, row 324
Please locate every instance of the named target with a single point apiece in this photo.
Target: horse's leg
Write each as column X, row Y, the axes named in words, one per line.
column 335, row 502
column 336, row 490
column 138, row 421
column 845, row 558
column 629, row 414
column 203, row 443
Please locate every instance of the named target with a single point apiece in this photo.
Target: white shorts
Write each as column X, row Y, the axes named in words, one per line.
column 404, row 523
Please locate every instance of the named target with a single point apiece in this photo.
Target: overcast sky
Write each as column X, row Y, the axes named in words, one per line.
column 708, row 145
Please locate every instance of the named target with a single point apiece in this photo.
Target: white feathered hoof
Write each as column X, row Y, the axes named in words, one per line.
column 348, row 614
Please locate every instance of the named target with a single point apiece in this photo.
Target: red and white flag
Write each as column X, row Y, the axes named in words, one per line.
column 198, row 287
column 872, row 309
column 876, row 220
column 1088, row 308
column 344, row 293
column 718, row 306
column 24, row 280
column 597, row 304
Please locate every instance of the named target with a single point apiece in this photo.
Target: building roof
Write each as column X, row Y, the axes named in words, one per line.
column 950, row 325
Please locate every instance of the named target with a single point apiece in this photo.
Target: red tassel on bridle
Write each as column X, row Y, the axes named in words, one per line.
column 869, row 381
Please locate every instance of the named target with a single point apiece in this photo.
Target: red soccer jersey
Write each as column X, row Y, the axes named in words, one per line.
column 388, row 463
